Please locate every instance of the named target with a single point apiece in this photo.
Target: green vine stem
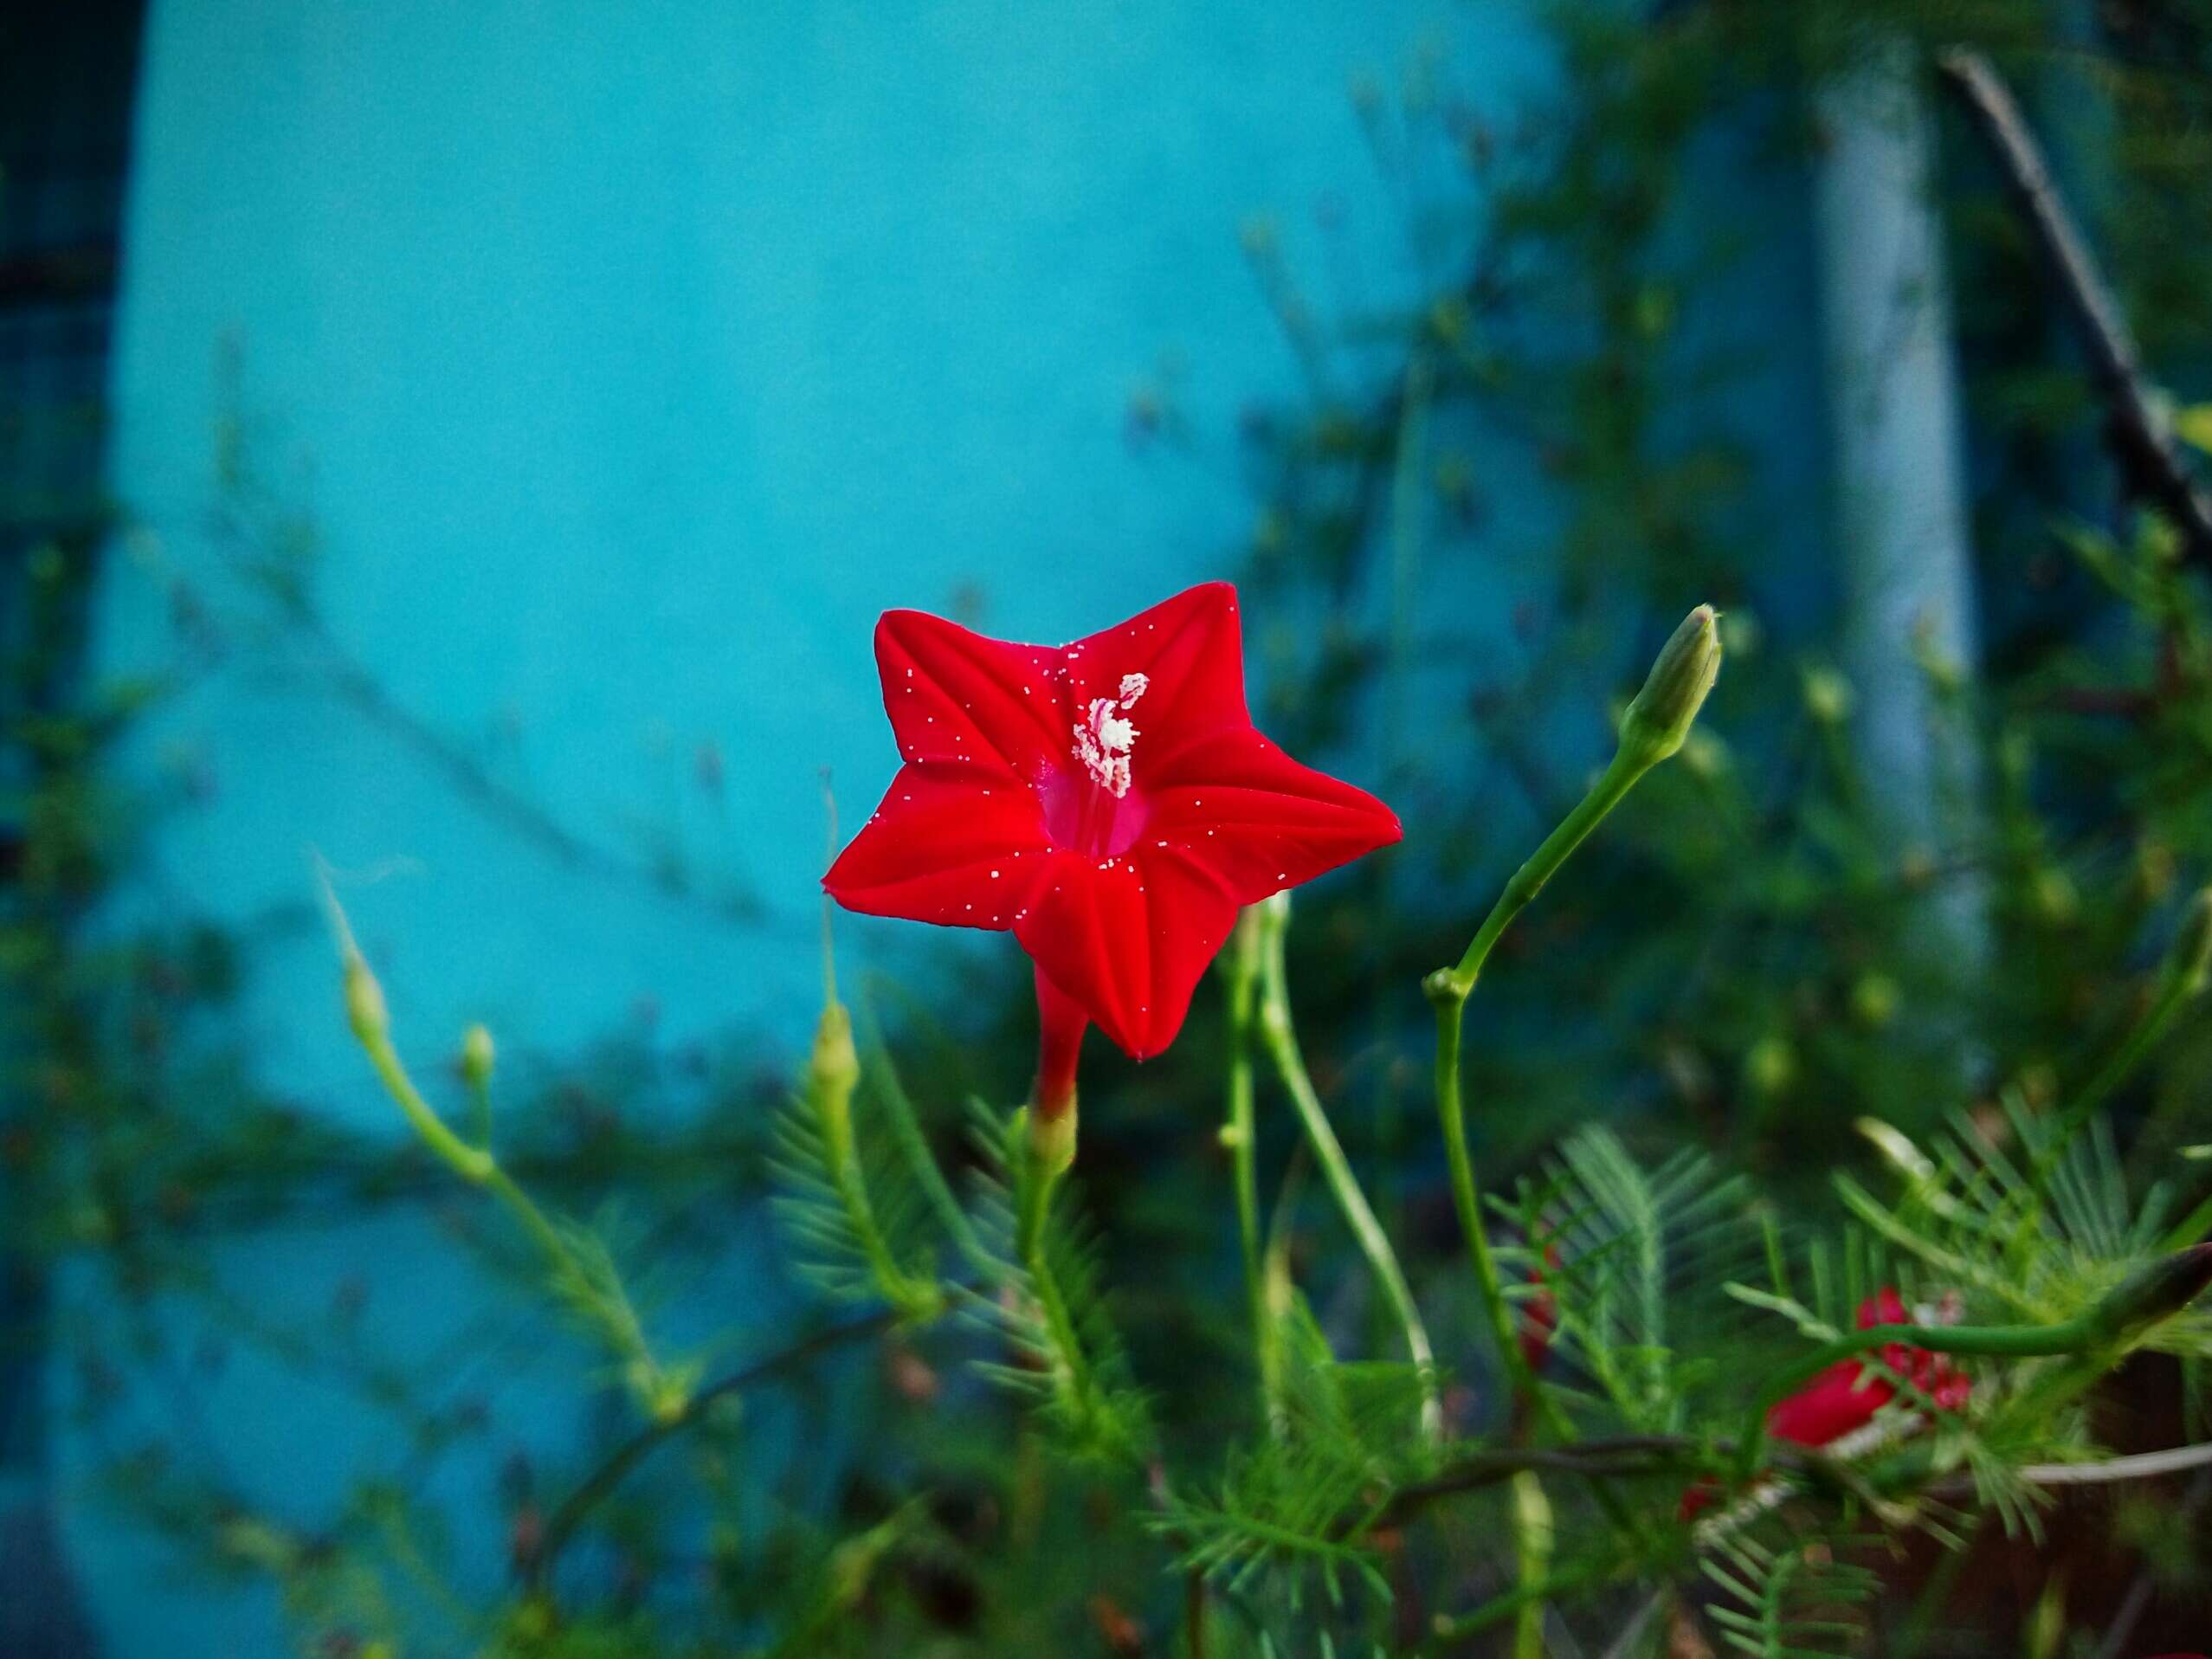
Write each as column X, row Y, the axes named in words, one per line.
column 833, row 1077
column 905, row 1126
column 662, row 1390
column 1240, row 967
column 1533, row 1533
column 1653, row 728
column 1036, row 1175
column 1279, row 1037
column 2155, row 1292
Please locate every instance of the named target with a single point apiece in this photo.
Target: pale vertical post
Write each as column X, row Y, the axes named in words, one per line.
column 1904, row 553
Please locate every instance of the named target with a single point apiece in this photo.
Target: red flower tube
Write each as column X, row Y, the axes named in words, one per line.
column 1108, row 802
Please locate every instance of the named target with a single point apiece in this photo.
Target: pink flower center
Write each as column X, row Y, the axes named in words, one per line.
column 1105, row 737
column 1095, row 810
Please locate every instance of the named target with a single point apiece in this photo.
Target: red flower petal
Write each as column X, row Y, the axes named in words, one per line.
column 954, row 696
column 1885, row 1307
column 1259, row 819
column 1128, row 938
column 1841, row 1399
column 949, row 844
column 1190, row 650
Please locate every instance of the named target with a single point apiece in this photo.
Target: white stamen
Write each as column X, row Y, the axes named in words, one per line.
column 1103, row 739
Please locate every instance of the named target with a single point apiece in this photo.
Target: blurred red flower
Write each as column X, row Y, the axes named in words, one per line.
column 1539, row 1314
column 1845, row 1397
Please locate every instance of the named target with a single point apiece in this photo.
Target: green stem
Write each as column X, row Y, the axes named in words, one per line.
column 1239, row 1134
column 1448, row 989
column 477, row 1166
column 2075, row 1335
column 1280, row 1037
column 472, row 1163
column 832, row 1078
column 1532, row 1532
column 1618, row 779
column 1448, row 1628
column 1032, row 1201
column 1033, row 1206
column 906, row 1125
column 480, row 1111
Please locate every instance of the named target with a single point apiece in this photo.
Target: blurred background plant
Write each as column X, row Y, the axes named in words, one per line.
column 1784, row 934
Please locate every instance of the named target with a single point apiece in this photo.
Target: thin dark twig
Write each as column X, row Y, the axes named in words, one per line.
column 2137, row 425
column 1628, row 1455
column 536, row 1571
column 1621, row 1456
column 347, row 678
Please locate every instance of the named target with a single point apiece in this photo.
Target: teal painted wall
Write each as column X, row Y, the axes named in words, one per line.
column 629, row 359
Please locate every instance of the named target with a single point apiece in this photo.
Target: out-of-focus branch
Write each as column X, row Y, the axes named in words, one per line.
column 1628, row 1456
column 2136, row 426
column 537, row 1569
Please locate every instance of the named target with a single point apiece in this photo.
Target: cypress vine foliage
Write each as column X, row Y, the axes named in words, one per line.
column 1713, row 1106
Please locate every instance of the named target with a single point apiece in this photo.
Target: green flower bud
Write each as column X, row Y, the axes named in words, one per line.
column 1874, row 999
column 833, row 1073
column 834, row 1063
column 477, row 1054
column 365, row 1002
column 1770, row 1066
column 1658, row 717
column 1828, row 696
column 1052, row 1138
column 2057, row 899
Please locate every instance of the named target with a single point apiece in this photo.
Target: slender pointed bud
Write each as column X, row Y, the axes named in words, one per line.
column 365, row 1003
column 477, row 1055
column 833, row 1073
column 2158, row 1292
column 834, row 1063
column 2188, row 958
column 1896, row 1146
column 1658, row 717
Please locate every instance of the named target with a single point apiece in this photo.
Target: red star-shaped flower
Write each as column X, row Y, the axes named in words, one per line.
column 1108, row 801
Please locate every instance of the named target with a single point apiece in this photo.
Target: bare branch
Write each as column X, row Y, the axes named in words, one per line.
column 2137, row 425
